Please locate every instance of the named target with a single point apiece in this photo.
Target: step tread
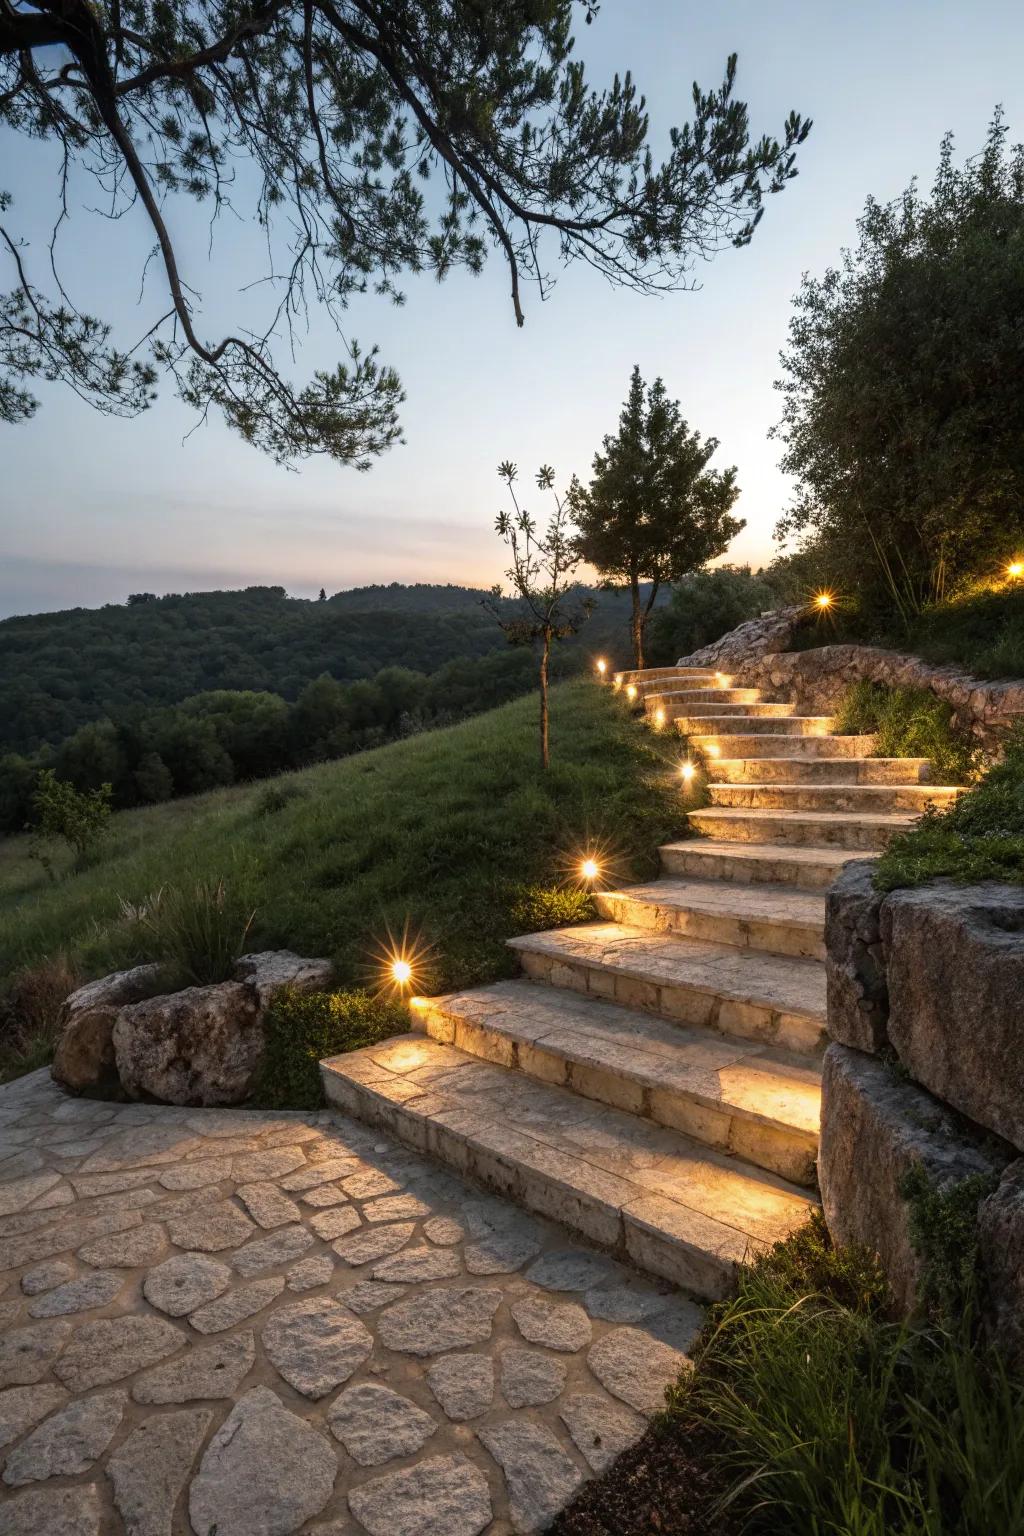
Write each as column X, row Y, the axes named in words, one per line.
column 869, row 791
column 800, row 909
column 741, row 1077
column 647, row 1178
column 779, row 982
column 726, row 813
column 768, row 852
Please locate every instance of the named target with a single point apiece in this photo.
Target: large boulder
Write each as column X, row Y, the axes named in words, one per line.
column 763, row 636
column 200, row 1046
column 274, row 969
column 84, row 1057
column 856, row 988
column 875, row 1128
column 1001, row 1261
column 955, row 960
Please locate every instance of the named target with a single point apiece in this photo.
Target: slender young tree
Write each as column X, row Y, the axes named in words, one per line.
column 368, row 139
column 548, row 605
column 653, row 511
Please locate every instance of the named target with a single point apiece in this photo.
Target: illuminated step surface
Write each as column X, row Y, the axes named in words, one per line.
column 816, row 770
column 873, row 798
column 812, row 868
column 781, row 921
column 835, row 829
column 676, row 1208
column 779, row 741
column 743, row 723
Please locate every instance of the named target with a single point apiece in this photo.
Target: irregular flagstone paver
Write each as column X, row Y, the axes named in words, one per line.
column 237, row 1305
column 67, row 1442
column 369, row 1185
column 629, row 1303
column 268, row 1252
column 32, row 1247
column 558, row 1324
column 375, row 1424
column 335, row 1223
column 443, row 1230
column 364, row 1247
column 463, row 1384
column 19, row 1193
column 317, row 1174
column 443, row 1494
column 126, row 1250
column 396, row 1208
column 530, row 1377
column 149, row 1469
column 634, row 1366
column 267, row 1206
column 207, row 1370
column 540, row 1475
column 54, row 1512
column 111, row 1348
column 197, row 1175
column 443, row 1319
column 271, row 1164
column 323, row 1196
column 185, row 1282
column 419, row 1264
column 45, row 1276
column 95, row 1289
column 368, row 1295
column 573, row 1271
column 264, row 1473
column 21, row 1407
column 210, row 1229
column 602, row 1430
column 309, row 1273
column 26, row 1354
column 316, row 1344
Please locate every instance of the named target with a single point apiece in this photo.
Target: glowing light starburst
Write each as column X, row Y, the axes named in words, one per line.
column 400, row 966
column 1015, row 570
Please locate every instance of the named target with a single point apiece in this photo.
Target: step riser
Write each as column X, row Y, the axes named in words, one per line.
column 811, row 770
column 656, row 677
column 781, row 743
column 871, row 799
column 725, row 727
column 702, row 864
column 687, row 1005
column 718, row 928
column 741, row 697
column 786, row 830
column 776, row 1148
column 682, row 706
column 698, row 1270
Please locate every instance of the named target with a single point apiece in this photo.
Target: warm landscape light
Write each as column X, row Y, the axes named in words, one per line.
column 631, row 690
column 824, row 599
column 711, row 749
column 659, row 717
column 602, row 666
column 687, row 770
column 721, row 679
column 1015, row 569
column 590, row 869
column 401, row 972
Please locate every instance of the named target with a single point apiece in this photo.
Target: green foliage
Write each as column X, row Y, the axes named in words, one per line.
column 979, row 837
column 303, row 1029
column 197, row 929
column 902, row 419
column 982, row 630
column 908, row 722
column 536, row 907
column 276, row 796
column 653, row 510
column 63, row 814
column 826, row 1417
column 944, row 1235
column 704, row 607
column 30, row 1005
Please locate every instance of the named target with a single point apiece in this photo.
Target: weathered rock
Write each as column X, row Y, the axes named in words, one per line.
column 557, row 1324
column 855, row 974
column 272, row 970
column 69, row 1441
column 441, row 1496
column 601, row 1429
column 375, row 1424
column 265, row 1472
column 237, row 1305
column 84, row 1057
column 208, row 1370
column 529, row 1376
column 54, row 1512
column 149, row 1470
column 462, row 1384
column 111, row 1348
column 876, row 1127
column 315, row 1344
column 955, row 958
column 447, row 1318
column 636, row 1367
column 26, row 1354
column 1001, row 1261
column 183, row 1283
column 541, row 1478
column 199, row 1046
column 21, row 1407
column 95, row 1289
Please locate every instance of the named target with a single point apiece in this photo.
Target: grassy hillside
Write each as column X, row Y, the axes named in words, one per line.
column 448, row 833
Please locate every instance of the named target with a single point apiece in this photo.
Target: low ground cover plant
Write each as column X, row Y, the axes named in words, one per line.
column 909, row 722
column 304, row 1029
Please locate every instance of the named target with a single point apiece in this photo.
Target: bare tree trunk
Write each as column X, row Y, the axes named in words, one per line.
column 544, row 701
column 637, row 623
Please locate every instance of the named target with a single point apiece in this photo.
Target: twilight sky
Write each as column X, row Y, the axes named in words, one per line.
column 91, row 508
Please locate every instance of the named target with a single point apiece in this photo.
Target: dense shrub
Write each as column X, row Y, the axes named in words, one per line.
column 29, row 1013
column 705, row 606
column 64, row 814
column 304, row 1029
column 908, row 722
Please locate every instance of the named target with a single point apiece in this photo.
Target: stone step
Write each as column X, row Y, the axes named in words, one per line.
column 653, row 676
column 833, row 797
column 779, row 741
column 760, row 864
column 675, row 1208
column 817, row 770
column 780, row 921
column 772, row 998
column 715, row 706
column 761, row 1105
column 675, row 696
column 700, row 727
column 855, row 830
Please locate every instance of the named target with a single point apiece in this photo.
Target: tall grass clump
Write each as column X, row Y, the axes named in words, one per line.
column 30, row 1009
column 908, row 722
column 197, row 930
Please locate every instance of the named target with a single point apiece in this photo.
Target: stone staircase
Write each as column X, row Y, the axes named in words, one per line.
column 652, row 1080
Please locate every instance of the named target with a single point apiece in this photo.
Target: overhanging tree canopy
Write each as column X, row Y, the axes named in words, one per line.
column 345, row 110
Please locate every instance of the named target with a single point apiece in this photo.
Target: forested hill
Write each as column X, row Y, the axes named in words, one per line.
column 60, row 671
